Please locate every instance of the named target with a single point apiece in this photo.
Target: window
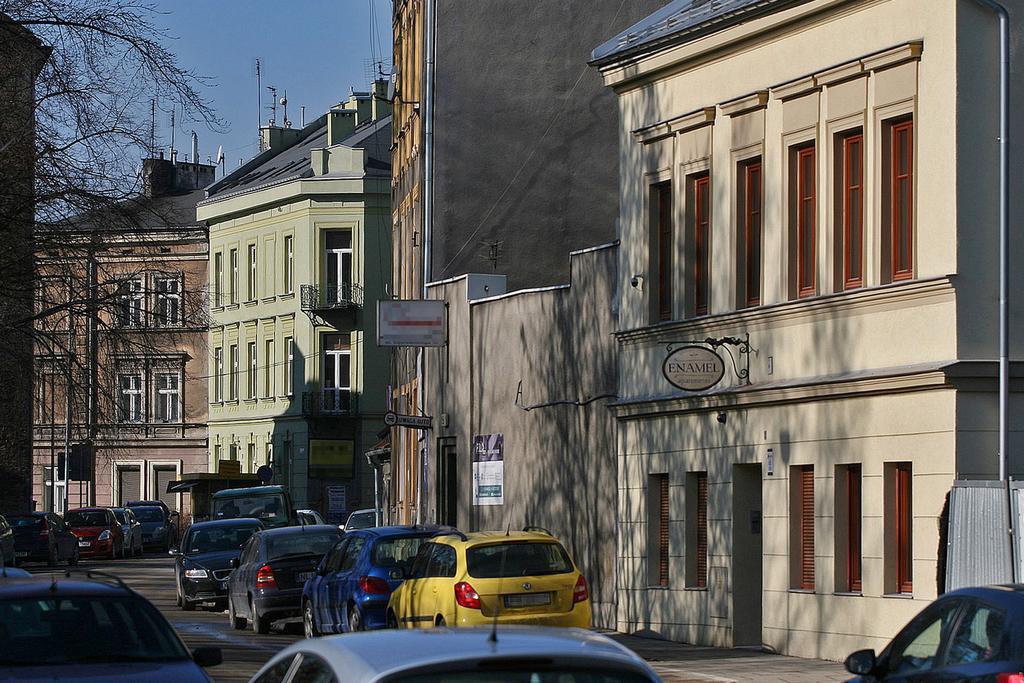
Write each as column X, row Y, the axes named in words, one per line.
column 661, row 249
column 801, row 516
column 130, row 303
column 268, row 376
column 917, row 647
column 168, row 301
column 252, row 371
column 218, row 374
column 338, row 264
column 749, row 241
column 251, row 458
column 803, row 224
column 848, row 520
column 218, row 279
column 900, row 204
column 851, row 203
column 442, row 562
column 981, row 636
column 130, row 397
column 337, row 382
column 289, row 262
column 252, row 273
column 217, row 452
column 168, row 397
column 899, row 528
column 700, row 239
column 697, row 529
column 233, row 372
column 289, row 365
column 658, row 529
column 234, row 276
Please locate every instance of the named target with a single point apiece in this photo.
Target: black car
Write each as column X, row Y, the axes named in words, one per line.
column 158, row 527
column 972, row 634
column 6, row 542
column 44, row 537
column 203, row 563
column 274, row 565
column 90, row 627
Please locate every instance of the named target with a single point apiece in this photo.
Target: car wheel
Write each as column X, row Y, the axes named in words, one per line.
column 237, row 623
column 260, row 624
column 392, row 620
column 308, row 621
column 187, row 604
column 355, row 621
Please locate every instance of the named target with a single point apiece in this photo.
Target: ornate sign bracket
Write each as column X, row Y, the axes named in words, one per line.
column 742, row 346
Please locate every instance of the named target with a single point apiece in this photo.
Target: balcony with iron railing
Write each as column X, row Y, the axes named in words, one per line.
column 329, row 298
column 329, row 403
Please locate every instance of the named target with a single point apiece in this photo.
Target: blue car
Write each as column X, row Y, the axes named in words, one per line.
column 352, row 585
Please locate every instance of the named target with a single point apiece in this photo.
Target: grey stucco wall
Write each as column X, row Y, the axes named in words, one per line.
column 514, row 95
column 560, row 465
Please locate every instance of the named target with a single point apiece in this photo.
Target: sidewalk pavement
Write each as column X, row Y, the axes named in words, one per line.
column 682, row 663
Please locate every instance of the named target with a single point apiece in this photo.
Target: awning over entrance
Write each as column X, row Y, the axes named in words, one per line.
column 202, row 486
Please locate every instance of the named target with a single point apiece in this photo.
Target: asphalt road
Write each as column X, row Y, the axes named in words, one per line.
column 153, row 576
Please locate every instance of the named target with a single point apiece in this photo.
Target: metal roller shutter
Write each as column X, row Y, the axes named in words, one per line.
column 164, row 476
column 129, row 484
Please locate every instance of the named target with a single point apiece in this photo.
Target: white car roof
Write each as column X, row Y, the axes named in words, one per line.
column 372, row 655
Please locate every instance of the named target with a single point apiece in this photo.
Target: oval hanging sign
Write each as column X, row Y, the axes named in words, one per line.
column 693, row 368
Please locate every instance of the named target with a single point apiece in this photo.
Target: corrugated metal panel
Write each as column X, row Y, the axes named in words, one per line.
column 1017, row 503
column 978, row 547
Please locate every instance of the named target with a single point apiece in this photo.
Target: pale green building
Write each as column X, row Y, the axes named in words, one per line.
column 299, row 255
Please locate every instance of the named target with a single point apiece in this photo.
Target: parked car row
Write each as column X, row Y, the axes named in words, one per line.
column 86, row 532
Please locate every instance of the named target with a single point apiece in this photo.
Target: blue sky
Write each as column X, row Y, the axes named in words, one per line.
column 314, row 49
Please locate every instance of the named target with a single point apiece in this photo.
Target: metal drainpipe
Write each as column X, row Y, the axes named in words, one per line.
column 1004, row 256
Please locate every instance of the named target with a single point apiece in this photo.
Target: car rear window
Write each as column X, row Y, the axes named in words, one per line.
column 22, row 522
column 397, row 552
column 85, row 629
column 217, row 538
column 519, row 558
column 530, row 671
column 149, row 514
column 269, row 508
column 301, row 543
column 86, row 518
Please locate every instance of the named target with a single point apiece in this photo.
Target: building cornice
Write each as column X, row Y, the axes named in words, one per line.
column 826, row 307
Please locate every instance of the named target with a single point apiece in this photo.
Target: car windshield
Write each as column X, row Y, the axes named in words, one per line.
column 362, row 520
column 268, row 508
column 212, row 539
column 529, row 672
column 521, row 558
column 22, row 522
column 85, row 629
column 397, row 552
column 301, row 543
column 149, row 514
column 86, row 518
column 119, row 516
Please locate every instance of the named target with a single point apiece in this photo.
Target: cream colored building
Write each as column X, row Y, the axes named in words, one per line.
column 823, row 177
column 299, row 255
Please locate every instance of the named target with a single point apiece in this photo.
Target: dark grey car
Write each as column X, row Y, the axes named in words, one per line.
column 267, row 582
column 203, row 562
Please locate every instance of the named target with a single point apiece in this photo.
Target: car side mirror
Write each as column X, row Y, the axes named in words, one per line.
column 174, row 552
column 861, row 662
column 234, row 563
column 207, row 656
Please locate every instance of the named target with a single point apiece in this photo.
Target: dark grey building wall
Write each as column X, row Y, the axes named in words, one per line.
column 514, row 95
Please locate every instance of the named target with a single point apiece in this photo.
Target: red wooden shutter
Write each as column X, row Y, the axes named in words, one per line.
column 902, row 198
column 904, row 521
column 853, row 512
column 806, row 221
column 702, row 237
column 663, row 530
column 701, row 580
column 853, row 211
column 752, row 232
column 663, row 197
column 806, row 484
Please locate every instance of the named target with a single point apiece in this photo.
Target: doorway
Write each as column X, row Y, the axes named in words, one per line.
column 746, row 554
column 448, row 484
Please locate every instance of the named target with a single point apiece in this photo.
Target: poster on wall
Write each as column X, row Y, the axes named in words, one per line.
column 489, row 469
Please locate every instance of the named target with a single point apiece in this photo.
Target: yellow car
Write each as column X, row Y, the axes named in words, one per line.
column 469, row 579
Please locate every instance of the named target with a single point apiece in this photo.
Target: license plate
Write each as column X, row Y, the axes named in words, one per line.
column 527, row 599
column 84, row 544
column 303, row 577
column 21, row 554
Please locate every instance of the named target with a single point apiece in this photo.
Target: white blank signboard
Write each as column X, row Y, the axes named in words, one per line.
column 411, row 323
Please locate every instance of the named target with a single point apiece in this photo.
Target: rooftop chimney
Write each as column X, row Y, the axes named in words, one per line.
column 161, row 177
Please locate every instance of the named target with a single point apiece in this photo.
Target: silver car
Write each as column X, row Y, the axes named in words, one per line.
column 538, row 655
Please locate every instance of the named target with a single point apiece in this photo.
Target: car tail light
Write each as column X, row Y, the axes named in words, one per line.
column 580, row 592
column 466, row 596
column 374, row 585
column 1015, row 677
column 265, row 577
